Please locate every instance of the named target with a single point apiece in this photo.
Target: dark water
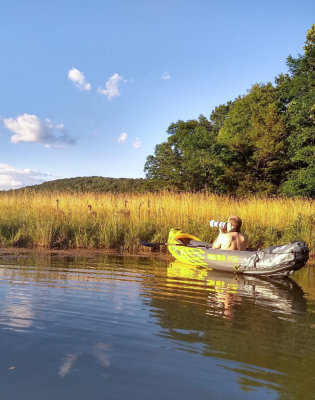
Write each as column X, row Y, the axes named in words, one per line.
column 139, row 328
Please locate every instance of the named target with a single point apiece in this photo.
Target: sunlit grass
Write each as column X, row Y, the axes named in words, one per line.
column 116, row 220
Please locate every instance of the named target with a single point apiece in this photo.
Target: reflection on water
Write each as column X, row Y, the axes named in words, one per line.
column 67, row 364
column 118, row 327
column 226, row 289
column 17, row 311
column 101, row 352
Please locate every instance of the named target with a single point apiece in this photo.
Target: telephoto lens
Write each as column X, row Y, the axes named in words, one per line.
column 217, row 224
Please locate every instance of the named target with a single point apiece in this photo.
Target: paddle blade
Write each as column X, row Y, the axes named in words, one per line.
column 153, row 245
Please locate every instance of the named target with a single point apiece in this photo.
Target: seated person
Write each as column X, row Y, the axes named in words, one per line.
column 230, row 238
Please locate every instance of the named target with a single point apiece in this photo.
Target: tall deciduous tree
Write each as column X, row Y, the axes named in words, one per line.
column 190, row 158
column 255, row 131
column 297, row 89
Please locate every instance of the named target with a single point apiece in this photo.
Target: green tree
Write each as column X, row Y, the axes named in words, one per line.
column 297, row 90
column 190, row 158
column 165, row 165
column 219, row 115
column 255, row 132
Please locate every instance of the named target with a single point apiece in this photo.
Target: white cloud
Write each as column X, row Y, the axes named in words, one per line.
column 29, row 128
column 111, row 87
column 166, row 76
column 77, row 77
column 13, row 178
column 137, row 144
column 122, row 137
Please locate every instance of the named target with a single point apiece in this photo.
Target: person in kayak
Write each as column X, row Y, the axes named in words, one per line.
column 231, row 238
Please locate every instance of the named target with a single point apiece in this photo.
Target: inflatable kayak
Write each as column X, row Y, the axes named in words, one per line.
column 272, row 261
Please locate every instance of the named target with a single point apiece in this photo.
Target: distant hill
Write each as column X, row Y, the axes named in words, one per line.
column 98, row 184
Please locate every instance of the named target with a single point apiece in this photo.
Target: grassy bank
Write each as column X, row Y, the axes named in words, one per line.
column 115, row 221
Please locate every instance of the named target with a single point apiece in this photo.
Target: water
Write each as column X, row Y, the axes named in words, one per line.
column 139, row 328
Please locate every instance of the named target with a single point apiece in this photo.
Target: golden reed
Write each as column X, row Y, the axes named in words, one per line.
column 94, row 220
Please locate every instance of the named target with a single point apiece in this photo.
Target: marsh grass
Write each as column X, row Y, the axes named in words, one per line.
column 29, row 219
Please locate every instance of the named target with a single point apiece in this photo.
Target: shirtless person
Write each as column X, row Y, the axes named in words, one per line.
column 230, row 238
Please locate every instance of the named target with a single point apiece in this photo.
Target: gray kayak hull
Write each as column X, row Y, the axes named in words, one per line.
column 273, row 261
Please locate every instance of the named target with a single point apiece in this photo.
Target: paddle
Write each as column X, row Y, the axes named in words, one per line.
column 157, row 244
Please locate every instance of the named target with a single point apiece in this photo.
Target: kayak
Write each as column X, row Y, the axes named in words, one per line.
column 281, row 260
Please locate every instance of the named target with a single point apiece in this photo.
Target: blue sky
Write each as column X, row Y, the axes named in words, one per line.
column 90, row 87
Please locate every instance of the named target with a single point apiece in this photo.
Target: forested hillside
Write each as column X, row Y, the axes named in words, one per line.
column 97, row 184
column 261, row 143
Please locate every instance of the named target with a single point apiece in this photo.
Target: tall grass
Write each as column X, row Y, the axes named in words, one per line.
column 30, row 219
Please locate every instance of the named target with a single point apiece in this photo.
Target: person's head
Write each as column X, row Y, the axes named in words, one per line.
column 234, row 224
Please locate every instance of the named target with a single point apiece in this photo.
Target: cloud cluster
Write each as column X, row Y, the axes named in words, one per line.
column 111, row 87
column 13, row 178
column 77, row 77
column 166, row 76
column 29, row 128
column 137, row 144
column 122, row 137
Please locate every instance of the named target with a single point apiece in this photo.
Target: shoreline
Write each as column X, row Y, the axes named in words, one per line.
column 4, row 251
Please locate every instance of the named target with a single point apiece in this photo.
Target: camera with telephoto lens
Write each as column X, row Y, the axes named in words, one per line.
column 217, row 224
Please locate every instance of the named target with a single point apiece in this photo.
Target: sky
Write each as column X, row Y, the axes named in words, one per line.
column 89, row 88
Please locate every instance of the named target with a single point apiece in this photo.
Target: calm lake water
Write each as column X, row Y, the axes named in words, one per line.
column 140, row 328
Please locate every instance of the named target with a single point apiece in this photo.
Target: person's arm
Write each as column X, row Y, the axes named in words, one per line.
column 217, row 243
column 245, row 243
column 220, row 239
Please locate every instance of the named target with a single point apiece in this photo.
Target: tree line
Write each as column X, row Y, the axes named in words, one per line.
column 97, row 184
column 261, row 143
